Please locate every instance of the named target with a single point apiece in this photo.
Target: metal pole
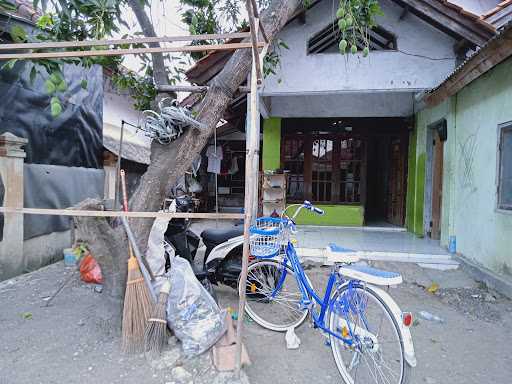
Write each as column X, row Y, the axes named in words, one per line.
column 250, row 177
column 118, row 167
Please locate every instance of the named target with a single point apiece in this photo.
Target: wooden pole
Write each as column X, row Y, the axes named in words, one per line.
column 254, row 39
column 138, row 215
column 137, row 40
column 121, row 52
column 250, row 178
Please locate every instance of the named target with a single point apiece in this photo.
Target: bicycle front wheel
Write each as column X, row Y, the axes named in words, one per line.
column 376, row 351
column 273, row 298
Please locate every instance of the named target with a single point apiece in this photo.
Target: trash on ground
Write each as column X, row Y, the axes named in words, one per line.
column 90, row 271
column 292, row 340
column 434, row 287
column 430, row 317
column 192, row 313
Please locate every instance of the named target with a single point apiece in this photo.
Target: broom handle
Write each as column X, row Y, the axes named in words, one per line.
column 131, row 242
column 125, row 202
column 143, row 269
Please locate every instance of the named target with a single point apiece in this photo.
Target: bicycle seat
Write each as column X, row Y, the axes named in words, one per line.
column 370, row 275
column 338, row 254
column 218, row 236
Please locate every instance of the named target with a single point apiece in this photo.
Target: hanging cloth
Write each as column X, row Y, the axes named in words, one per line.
column 214, row 155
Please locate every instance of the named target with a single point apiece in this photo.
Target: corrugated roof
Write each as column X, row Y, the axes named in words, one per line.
column 25, row 10
column 500, row 35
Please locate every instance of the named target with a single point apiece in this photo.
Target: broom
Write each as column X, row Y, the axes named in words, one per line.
column 136, row 298
column 156, row 329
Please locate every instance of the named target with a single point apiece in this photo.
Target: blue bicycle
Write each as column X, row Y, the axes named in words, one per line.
column 368, row 333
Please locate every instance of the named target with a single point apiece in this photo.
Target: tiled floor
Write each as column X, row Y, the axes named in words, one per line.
column 358, row 239
column 364, row 240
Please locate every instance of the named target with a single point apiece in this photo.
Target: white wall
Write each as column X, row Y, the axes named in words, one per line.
column 381, row 71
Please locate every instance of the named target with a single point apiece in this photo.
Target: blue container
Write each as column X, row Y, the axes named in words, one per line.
column 69, row 257
column 452, row 244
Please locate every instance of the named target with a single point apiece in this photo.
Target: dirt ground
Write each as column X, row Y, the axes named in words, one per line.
column 72, row 340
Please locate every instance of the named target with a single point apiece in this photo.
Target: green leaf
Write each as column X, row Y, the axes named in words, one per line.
column 54, row 100
column 9, row 64
column 56, row 109
column 33, row 74
column 62, row 86
column 56, row 78
column 83, row 84
column 26, row 315
column 18, row 34
column 50, row 87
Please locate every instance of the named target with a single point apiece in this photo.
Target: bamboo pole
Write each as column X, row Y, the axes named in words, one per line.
column 132, row 51
column 250, row 178
column 136, row 40
column 139, row 215
column 254, row 39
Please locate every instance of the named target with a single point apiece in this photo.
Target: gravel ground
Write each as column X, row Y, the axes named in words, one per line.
column 472, row 345
column 73, row 341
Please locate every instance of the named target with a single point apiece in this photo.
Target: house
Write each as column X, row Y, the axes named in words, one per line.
column 363, row 138
column 460, row 179
column 341, row 124
column 68, row 158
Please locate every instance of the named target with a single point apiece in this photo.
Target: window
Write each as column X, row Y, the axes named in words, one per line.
column 323, row 167
column 505, row 167
column 322, row 170
column 326, row 41
column 293, row 161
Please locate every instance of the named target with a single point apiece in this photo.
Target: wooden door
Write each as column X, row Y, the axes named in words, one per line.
column 437, row 186
column 396, row 183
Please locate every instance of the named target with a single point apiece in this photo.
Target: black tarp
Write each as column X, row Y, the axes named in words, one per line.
column 72, row 139
column 52, row 186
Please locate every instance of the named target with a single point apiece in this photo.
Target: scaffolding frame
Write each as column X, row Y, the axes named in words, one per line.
column 51, row 50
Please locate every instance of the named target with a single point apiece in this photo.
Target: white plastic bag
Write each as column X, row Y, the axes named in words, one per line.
column 292, row 340
column 192, row 313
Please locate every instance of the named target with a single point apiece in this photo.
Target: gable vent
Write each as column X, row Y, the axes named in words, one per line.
column 326, row 41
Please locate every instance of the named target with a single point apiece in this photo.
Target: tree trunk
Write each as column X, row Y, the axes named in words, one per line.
column 159, row 72
column 169, row 162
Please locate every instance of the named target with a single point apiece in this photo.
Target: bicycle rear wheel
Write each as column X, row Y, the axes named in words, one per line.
column 273, row 302
column 377, row 352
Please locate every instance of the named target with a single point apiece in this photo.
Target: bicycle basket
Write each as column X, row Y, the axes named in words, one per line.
column 265, row 239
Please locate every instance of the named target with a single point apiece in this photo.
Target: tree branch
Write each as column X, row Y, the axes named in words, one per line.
column 159, row 72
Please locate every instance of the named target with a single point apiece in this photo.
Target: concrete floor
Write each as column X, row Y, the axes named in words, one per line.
column 471, row 346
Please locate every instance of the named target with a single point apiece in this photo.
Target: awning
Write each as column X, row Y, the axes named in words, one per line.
column 136, row 147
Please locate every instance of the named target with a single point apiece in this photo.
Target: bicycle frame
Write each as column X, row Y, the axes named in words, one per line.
column 308, row 291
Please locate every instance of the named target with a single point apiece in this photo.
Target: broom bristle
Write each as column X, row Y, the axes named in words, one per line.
column 155, row 335
column 136, row 310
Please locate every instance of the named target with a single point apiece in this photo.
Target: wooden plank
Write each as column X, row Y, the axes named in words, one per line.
column 138, row 40
column 139, row 215
column 191, row 88
column 491, row 55
column 458, row 26
column 120, row 52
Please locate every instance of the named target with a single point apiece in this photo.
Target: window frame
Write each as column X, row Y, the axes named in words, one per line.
column 502, row 129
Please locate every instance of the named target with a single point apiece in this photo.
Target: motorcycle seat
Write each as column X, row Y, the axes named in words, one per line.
column 218, row 236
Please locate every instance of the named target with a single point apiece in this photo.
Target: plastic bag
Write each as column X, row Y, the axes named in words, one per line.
column 90, row 270
column 292, row 340
column 192, row 313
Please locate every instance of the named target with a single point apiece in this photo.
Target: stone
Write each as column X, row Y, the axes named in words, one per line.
column 181, row 375
column 430, row 380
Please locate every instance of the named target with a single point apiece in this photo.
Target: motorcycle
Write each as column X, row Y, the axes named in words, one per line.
column 222, row 248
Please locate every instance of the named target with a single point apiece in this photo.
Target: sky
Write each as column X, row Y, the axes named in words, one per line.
column 166, row 17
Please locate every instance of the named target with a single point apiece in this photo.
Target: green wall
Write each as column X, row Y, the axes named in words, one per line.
column 271, row 155
column 469, row 201
column 342, row 215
